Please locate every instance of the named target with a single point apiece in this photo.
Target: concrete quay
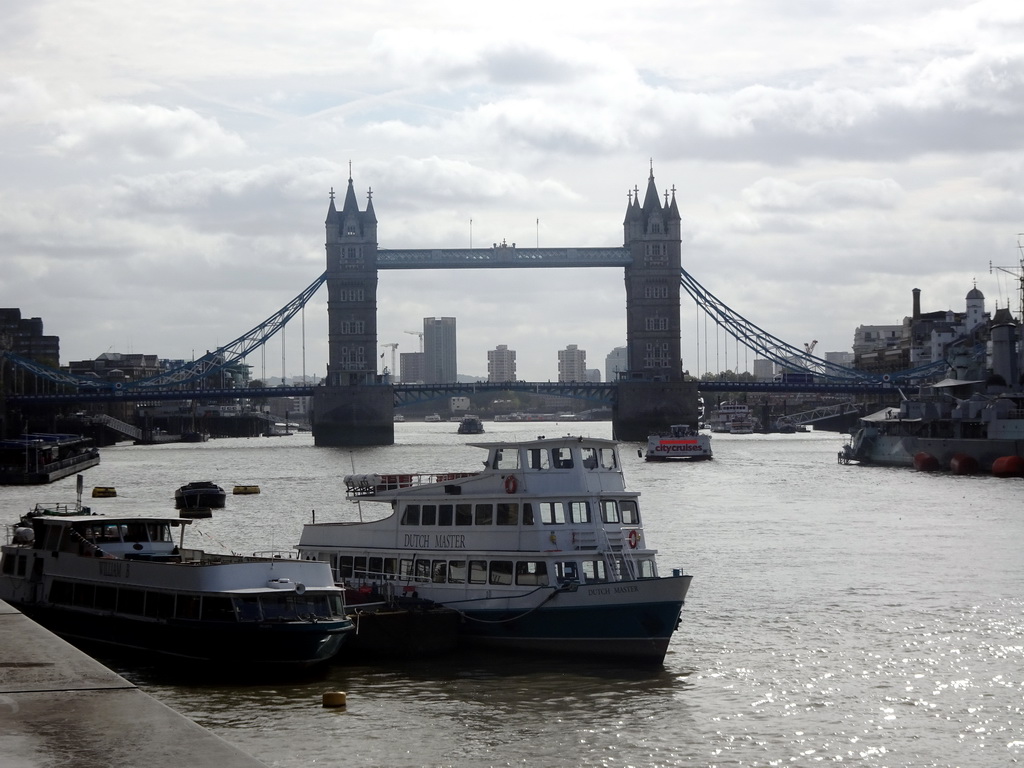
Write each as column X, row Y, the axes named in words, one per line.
column 58, row 706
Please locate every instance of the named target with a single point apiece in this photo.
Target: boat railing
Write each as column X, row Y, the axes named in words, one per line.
column 369, row 485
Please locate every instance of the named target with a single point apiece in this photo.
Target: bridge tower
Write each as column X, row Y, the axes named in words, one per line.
column 651, row 394
column 355, row 407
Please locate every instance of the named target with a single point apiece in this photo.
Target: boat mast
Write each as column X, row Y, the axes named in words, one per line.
column 1018, row 274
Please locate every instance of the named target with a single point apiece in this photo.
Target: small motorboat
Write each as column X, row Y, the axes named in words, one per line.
column 199, row 494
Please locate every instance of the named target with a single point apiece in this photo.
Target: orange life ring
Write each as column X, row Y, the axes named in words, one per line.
column 634, row 538
column 511, row 484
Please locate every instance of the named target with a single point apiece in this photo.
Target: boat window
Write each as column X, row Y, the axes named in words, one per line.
column 484, row 514
column 566, row 572
column 463, row 514
column 579, row 511
column 53, row 540
column 477, row 571
column 508, row 514
column 359, row 567
column 630, row 513
column 248, row 608
column 405, row 568
column 608, row 458
column 551, row 513
column 609, row 511
column 445, row 513
column 8, row 565
column 505, row 458
column 376, row 566
column 457, row 572
column 159, row 532
column 218, row 609
column 62, row 592
column 131, row 601
column 594, row 570
column 531, row 573
column 538, row 458
column 187, row 607
column 106, row 598
column 390, row 566
column 159, row 605
column 429, row 516
column 135, row 532
column 439, row 571
column 589, row 457
column 561, row 458
column 647, row 569
column 411, row 514
column 501, row 572
column 422, row 570
column 279, row 607
column 85, row 595
column 343, row 567
column 528, row 514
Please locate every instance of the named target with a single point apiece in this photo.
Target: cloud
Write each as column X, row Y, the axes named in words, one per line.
column 776, row 194
column 139, row 133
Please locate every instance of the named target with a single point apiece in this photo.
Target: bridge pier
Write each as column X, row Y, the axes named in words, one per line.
column 354, row 415
column 644, row 407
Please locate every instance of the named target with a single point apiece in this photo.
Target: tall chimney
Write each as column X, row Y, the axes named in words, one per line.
column 917, row 303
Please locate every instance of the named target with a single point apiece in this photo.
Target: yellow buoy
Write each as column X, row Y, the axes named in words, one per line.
column 244, row 490
column 104, row 492
column 334, row 699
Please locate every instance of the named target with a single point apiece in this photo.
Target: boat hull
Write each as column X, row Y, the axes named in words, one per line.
column 234, row 644
column 628, row 619
column 899, row 451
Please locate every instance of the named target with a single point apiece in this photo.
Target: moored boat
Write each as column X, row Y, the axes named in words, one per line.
column 543, row 550
column 40, row 458
column 680, row 442
column 199, row 495
column 126, row 582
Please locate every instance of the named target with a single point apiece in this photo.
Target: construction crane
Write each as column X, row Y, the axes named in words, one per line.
column 809, row 347
column 394, row 346
column 420, row 334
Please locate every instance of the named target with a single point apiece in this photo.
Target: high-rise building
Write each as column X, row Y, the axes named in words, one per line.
column 501, row 364
column 439, row 357
column 572, row 364
column 764, row 370
column 24, row 336
column 617, row 361
column 411, row 366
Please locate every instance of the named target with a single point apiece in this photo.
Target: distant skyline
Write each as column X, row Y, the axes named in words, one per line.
column 167, row 167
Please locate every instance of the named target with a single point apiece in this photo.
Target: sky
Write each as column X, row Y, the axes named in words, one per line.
column 166, row 167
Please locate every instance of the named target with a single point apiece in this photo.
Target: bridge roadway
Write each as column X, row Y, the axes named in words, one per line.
column 408, row 394
column 502, row 256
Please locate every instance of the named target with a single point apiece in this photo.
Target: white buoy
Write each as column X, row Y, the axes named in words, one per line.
column 334, row 699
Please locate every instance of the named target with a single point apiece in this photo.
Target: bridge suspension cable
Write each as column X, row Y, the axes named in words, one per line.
column 232, row 352
column 775, row 349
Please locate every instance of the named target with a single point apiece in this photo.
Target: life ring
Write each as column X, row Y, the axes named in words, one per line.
column 634, row 538
column 511, row 484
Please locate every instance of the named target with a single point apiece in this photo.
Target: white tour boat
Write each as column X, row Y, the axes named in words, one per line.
column 542, row 550
column 126, row 582
column 681, row 442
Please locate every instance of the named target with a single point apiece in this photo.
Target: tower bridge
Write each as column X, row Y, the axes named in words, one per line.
column 355, row 405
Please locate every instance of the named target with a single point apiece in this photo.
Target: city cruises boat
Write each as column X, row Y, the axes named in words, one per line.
column 433, row 418
column 542, row 550
column 200, row 495
column 40, row 458
column 127, row 582
column 680, row 442
column 471, row 425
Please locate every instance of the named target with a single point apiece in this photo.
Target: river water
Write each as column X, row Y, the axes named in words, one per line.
column 838, row 614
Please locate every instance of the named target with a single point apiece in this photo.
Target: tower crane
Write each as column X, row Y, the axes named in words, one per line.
column 420, row 334
column 394, row 346
column 809, row 347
